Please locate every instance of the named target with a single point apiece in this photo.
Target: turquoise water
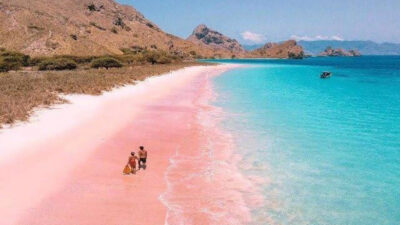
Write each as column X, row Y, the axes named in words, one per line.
column 328, row 150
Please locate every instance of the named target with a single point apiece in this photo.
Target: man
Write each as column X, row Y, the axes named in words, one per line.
column 132, row 162
column 142, row 157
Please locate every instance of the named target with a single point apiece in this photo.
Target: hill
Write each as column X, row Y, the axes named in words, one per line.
column 214, row 39
column 84, row 27
column 286, row 49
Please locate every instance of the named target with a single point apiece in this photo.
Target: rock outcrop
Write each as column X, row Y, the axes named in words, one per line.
column 339, row 52
column 287, row 49
column 206, row 36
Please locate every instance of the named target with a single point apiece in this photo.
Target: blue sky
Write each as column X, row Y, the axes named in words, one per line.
column 258, row 21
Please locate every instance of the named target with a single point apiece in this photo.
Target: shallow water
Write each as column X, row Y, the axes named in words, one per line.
column 327, row 150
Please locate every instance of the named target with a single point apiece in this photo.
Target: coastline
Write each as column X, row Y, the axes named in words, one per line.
column 67, row 163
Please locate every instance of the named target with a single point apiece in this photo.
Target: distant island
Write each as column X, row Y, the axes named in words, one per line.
column 314, row 48
column 364, row 47
column 207, row 37
column 329, row 51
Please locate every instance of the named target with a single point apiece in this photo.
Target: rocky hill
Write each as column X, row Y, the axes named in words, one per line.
column 84, row 27
column 208, row 37
column 339, row 52
column 211, row 38
column 287, row 49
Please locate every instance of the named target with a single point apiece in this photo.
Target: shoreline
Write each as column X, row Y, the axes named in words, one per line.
column 24, row 92
column 67, row 167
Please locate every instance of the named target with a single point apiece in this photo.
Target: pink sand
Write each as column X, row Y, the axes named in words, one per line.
column 65, row 166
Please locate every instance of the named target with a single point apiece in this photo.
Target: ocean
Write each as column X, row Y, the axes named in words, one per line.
column 324, row 151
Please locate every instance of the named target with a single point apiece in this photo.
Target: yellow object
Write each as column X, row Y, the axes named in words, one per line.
column 127, row 169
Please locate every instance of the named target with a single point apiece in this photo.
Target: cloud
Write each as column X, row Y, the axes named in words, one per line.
column 316, row 38
column 253, row 37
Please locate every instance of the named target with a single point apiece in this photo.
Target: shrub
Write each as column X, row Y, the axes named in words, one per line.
column 37, row 60
column 14, row 57
column 159, row 57
column 57, row 64
column 119, row 22
column 151, row 57
column 12, row 60
column 76, row 59
column 73, row 36
column 106, row 62
column 92, row 7
column 114, row 30
column 7, row 66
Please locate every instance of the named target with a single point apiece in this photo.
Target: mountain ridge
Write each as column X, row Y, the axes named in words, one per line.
column 364, row 47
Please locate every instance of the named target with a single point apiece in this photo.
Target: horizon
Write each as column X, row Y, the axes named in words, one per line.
column 354, row 20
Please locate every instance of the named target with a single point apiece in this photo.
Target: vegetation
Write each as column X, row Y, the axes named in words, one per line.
column 106, row 62
column 119, row 22
column 6, row 66
column 21, row 92
column 77, row 59
column 91, row 7
column 74, row 36
column 136, row 55
column 114, row 30
column 296, row 56
column 157, row 57
column 10, row 60
column 58, row 64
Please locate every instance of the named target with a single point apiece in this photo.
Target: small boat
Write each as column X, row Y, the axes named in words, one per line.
column 325, row 75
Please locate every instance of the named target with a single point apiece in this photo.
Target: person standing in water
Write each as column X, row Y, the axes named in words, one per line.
column 142, row 157
column 132, row 162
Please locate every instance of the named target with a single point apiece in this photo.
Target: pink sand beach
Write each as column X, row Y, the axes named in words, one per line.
column 65, row 166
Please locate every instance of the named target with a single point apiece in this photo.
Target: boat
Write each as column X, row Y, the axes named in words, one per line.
column 325, row 74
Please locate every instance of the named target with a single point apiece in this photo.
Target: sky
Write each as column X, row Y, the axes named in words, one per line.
column 260, row 21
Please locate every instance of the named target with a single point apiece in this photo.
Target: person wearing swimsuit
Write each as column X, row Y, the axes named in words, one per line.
column 132, row 162
column 142, row 157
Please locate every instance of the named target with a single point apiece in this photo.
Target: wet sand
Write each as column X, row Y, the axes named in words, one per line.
column 65, row 166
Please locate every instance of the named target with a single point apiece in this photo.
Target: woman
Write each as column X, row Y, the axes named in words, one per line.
column 132, row 162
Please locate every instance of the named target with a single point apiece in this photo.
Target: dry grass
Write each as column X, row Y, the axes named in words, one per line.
column 21, row 92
